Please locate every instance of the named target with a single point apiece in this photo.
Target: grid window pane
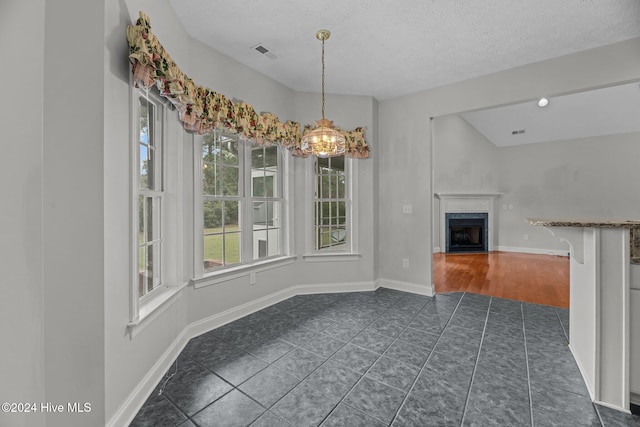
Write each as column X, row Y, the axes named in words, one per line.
column 213, row 246
column 148, row 219
column 142, row 273
column 231, row 248
column 150, row 266
column 220, row 165
column 230, row 181
column 221, row 220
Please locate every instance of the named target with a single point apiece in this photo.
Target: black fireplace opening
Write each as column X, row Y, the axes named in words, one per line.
column 466, row 232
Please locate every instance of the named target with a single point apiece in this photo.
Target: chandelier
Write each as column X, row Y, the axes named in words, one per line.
column 323, row 140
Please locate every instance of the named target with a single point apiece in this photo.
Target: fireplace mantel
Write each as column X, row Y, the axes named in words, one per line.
column 469, row 202
column 443, row 196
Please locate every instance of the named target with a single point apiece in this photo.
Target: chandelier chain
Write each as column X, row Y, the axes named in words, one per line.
column 323, row 79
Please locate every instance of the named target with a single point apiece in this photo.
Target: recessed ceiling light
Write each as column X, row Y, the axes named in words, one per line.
column 543, row 102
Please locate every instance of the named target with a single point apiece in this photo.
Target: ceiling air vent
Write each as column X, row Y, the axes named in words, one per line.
column 517, row 132
column 260, row 48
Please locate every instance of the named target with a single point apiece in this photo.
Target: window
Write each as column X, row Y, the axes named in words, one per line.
column 331, row 225
column 156, row 210
column 265, row 191
column 222, row 191
column 242, row 202
column 330, row 205
column 150, row 194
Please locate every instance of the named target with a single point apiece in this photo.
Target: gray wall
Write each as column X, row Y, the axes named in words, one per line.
column 464, row 161
column 585, row 178
column 405, row 141
column 22, row 356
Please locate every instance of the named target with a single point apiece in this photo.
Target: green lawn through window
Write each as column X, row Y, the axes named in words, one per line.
column 213, row 244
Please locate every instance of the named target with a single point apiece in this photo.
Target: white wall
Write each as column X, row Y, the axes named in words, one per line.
column 21, row 257
column 405, row 150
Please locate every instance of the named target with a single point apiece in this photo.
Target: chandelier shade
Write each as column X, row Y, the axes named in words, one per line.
column 323, row 140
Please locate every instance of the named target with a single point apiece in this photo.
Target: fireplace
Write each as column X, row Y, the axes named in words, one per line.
column 466, row 232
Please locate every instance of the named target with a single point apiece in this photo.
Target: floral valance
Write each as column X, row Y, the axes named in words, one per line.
column 202, row 110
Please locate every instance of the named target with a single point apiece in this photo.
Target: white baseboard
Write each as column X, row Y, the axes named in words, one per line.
column 436, row 249
column 212, row 322
column 608, row 405
column 333, row 288
column 583, row 373
column 537, row 251
column 143, row 390
column 413, row 288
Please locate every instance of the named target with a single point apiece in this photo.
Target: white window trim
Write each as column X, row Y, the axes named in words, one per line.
column 143, row 310
column 350, row 254
column 200, row 277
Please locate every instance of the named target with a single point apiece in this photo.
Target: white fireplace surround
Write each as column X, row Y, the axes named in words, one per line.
column 466, row 203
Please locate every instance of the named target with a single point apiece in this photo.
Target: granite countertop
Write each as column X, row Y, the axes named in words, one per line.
column 592, row 223
column 632, row 224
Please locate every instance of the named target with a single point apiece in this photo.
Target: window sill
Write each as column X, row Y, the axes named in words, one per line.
column 211, row 278
column 331, row 257
column 153, row 307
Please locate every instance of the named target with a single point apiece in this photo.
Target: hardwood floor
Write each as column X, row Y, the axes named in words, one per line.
column 540, row 279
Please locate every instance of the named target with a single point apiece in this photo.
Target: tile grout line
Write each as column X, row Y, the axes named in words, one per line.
column 234, row 387
column 374, row 319
column 425, row 362
column 296, row 346
column 376, row 361
column 395, row 307
column 526, row 358
column 475, row 366
column 299, row 346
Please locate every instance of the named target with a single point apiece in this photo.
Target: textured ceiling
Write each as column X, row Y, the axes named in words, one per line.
column 395, row 47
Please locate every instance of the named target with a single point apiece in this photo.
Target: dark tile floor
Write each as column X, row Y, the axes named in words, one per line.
column 383, row 358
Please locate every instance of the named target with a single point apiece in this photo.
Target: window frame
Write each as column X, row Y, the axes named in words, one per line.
column 351, row 250
column 239, row 198
column 142, row 310
column 248, row 264
column 265, row 200
column 155, row 192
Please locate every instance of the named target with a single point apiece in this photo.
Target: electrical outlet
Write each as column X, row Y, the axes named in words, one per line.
column 407, row 209
column 252, row 278
column 405, row 262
